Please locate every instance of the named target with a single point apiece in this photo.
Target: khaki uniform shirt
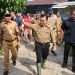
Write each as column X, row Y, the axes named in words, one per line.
column 35, row 21
column 42, row 34
column 59, row 23
column 8, row 31
column 52, row 21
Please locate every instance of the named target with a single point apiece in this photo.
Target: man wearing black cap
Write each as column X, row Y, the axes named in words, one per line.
column 9, row 34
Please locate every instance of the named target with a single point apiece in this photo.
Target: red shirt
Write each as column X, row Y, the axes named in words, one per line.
column 28, row 20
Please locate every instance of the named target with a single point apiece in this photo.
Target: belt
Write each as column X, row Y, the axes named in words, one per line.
column 10, row 40
column 41, row 43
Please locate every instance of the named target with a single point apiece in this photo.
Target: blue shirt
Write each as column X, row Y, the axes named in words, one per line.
column 18, row 21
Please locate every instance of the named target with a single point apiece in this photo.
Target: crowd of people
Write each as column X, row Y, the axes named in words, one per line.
column 54, row 20
column 44, row 28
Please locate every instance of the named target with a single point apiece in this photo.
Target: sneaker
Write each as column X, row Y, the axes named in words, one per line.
column 5, row 73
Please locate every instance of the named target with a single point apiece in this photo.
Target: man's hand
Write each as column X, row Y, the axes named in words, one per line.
column 18, row 44
column 22, row 34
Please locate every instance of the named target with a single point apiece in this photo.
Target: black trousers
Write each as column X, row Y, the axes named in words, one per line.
column 66, row 53
column 42, row 51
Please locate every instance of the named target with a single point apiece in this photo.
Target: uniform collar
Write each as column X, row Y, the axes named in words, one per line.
column 52, row 15
column 44, row 26
column 7, row 22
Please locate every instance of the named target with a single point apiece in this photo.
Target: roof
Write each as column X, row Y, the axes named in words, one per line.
column 44, row 2
column 64, row 4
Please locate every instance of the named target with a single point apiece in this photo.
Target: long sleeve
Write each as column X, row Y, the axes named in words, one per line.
column 32, row 26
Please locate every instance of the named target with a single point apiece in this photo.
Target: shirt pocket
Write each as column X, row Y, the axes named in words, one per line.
column 5, row 30
column 12, row 29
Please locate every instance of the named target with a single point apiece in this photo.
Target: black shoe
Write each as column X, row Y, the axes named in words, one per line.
column 73, row 70
column 5, row 73
column 64, row 66
column 14, row 63
column 54, row 53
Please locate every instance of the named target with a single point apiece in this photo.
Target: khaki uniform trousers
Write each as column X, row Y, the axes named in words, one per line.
column 7, row 46
column 55, row 34
column 54, row 38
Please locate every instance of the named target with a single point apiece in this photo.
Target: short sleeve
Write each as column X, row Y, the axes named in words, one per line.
column 32, row 26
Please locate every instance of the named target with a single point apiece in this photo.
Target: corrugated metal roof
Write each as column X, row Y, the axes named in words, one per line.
column 45, row 2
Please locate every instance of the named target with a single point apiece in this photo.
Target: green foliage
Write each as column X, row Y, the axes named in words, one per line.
column 12, row 5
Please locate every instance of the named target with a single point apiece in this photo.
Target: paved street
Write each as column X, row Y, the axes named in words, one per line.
column 26, row 63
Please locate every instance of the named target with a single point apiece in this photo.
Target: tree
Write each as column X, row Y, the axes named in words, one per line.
column 12, row 5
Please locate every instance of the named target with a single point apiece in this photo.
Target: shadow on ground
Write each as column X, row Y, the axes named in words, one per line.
column 14, row 70
column 1, row 65
column 29, row 46
column 66, row 73
column 59, row 58
column 27, row 62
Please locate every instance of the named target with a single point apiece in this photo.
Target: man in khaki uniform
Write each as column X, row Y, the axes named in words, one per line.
column 37, row 18
column 59, row 30
column 52, row 19
column 42, row 39
column 9, row 34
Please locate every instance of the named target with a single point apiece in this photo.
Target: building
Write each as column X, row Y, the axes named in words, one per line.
column 41, row 5
column 65, row 8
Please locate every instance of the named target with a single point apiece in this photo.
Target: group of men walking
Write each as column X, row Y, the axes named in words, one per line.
column 44, row 29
